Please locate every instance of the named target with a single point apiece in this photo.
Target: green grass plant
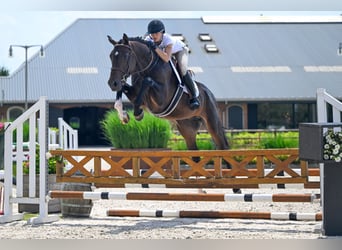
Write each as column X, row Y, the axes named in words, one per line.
column 150, row 132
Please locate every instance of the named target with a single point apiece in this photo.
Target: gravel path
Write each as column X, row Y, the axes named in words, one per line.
column 99, row 226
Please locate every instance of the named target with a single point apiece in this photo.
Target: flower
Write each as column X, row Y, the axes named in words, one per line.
column 332, row 141
column 2, row 127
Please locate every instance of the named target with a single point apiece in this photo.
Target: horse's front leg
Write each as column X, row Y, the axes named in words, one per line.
column 124, row 117
column 138, row 111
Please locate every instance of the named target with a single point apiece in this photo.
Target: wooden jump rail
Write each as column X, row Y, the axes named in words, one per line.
column 217, row 214
column 184, row 196
column 179, row 169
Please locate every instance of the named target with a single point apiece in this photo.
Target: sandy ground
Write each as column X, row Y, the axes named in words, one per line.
column 99, row 226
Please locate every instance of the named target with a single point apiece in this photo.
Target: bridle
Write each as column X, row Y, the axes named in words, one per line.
column 141, row 69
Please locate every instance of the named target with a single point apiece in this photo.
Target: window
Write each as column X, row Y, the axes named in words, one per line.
column 75, row 122
column 235, row 117
column 211, row 48
column 284, row 115
column 204, row 37
column 14, row 112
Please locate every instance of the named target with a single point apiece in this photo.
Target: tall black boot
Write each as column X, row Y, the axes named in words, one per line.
column 194, row 102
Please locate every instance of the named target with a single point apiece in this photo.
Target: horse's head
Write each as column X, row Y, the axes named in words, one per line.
column 123, row 62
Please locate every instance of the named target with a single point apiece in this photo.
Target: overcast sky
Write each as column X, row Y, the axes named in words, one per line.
column 34, row 22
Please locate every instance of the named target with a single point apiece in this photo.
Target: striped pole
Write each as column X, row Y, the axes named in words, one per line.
column 184, row 196
column 217, row 214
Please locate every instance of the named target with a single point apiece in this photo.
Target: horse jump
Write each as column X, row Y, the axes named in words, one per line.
column 217, row 214
column 184, row 196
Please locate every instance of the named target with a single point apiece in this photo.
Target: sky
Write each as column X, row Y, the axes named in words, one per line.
column 23, row 23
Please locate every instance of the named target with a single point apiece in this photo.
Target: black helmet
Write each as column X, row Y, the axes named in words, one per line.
column 155, row 26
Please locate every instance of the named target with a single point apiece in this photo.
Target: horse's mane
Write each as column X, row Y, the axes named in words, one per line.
column 136, row 39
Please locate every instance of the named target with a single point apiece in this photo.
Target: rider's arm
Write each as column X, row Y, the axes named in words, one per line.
column 165, row 54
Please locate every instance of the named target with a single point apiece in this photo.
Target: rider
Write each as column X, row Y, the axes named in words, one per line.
column 165, row 46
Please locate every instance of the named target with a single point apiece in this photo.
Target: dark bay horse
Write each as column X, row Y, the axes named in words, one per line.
column 155, row 86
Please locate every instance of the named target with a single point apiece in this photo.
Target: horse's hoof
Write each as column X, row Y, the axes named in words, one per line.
column 125, row 118
column 139, row 116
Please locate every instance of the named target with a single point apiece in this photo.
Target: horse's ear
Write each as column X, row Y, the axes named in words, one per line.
column 125, row 38
column 110, row 39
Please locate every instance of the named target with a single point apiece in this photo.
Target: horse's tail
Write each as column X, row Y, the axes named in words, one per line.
column 214, row 109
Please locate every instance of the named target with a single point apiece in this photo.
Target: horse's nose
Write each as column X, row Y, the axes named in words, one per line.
column 114, row 84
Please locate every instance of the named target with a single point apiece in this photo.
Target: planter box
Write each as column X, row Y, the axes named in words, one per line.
column 311, row 136
column 54, row 205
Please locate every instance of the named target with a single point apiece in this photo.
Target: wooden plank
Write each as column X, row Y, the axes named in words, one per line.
column 217, row 167
column 260, row 167
column 136, row 166
column 97, row 166
column 187, row 153
column 200, row 181
column 176, row 168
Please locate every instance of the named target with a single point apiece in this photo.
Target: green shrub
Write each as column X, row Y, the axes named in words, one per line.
column 242, row 140
column 204, row 142
column 281, row 140
column 26, row 132
column 51, row 162
column 150, row 132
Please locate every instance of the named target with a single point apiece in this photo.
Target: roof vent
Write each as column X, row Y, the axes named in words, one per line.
column 179, row 37
column 204, row 37
column 211, row 48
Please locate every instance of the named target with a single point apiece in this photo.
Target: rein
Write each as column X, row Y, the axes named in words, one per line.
column 126, row 74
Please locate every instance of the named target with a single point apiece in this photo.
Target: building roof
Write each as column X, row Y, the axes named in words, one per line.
column 256, row 61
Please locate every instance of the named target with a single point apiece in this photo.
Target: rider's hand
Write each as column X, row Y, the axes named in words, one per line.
column 151, row 45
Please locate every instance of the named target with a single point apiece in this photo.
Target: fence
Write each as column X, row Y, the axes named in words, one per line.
column 68, row 137
column 195, row 175
column 38, row 110
column 191, row 168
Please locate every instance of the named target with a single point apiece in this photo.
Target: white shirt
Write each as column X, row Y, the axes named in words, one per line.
column 177, row 45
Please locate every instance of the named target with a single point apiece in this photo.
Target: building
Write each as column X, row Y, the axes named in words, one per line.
column 263, row 71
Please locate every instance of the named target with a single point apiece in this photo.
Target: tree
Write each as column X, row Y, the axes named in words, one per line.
column 4, row 71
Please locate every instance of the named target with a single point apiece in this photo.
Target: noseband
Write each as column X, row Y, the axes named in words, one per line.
column 140, row 67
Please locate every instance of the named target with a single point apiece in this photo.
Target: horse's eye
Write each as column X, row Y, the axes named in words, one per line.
column 116, row 53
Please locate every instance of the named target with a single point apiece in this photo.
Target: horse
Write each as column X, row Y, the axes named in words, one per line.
column 154, row 86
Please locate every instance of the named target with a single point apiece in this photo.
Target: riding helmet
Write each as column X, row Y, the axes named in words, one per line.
column 155, row 26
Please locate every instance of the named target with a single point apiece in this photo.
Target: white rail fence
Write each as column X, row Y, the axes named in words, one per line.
column 37, row 133
column 323, row 98
column 68, row 137
column 65, row 138
column 46, row 138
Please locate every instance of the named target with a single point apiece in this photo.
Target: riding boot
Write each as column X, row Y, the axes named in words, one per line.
column 189, row 83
